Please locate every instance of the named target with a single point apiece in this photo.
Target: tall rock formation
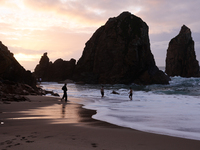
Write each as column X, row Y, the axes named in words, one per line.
column 181, row 58
column 41, row 70
column 11, row 70
column 119, row 52
column 57, row 71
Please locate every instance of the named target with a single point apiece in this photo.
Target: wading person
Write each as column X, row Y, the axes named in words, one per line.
column 64, row 88
column 130, row 93
column 102, row 91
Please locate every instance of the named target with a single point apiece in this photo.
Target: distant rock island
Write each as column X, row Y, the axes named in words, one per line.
column 57, row 71
column 119, row 52
column 181, row 57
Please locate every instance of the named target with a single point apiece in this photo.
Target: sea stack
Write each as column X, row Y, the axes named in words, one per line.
column 60, row 70
column 181, row 57
column 119, row 52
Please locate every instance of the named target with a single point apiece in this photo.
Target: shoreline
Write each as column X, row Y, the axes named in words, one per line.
column 78, row 131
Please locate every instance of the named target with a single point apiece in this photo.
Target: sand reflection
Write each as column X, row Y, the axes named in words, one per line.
column 63, row 110
column 60, row 113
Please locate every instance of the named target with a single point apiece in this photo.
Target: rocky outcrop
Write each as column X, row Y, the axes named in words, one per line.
column 42, row 68
column 15, row 81
column 11, row 70
column 181, row 57
column 58, row 71
column 119, row 52
column 9, row 87
column 13, row 91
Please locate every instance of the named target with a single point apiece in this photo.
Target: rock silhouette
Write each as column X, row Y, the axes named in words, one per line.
column 119, row 52
column 14, row 79
column 181, row 57
column 11, row 70
column 58, row 71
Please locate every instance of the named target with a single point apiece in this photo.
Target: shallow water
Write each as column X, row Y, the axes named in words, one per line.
column 172, row 109
column 59, row 113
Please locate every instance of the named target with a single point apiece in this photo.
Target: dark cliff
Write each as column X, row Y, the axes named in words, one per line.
column 11, row 70
column 119, row 52
column 181, row 57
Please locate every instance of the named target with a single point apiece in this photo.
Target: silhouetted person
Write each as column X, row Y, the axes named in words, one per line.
column 64, row 88
column 130, row 93
column 102, row 91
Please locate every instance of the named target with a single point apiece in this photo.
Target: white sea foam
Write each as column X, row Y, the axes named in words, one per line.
column 164, row 109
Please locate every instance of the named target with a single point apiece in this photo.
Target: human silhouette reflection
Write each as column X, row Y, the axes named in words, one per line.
column 63, row 110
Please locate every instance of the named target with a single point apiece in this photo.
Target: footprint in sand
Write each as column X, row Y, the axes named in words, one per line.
column 13, row 142
column 32, row 136
column 8, row 146
column 23, row 138
column 48, row 137
column 73, row 139
column 29, row 141
column 8, row 142
column 94, row 144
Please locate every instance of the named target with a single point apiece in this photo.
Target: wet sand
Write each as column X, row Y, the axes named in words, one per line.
column 46, row 123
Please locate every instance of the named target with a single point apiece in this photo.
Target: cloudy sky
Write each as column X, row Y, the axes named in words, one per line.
column 62, row 27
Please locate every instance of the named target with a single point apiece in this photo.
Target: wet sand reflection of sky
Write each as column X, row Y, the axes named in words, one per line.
column 60, row 113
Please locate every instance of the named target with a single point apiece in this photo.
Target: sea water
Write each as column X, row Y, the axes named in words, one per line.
column 172, row 109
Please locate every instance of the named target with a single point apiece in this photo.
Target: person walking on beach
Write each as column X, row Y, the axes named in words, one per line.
column 130, row 93
column 64, row 88
column 102, row 91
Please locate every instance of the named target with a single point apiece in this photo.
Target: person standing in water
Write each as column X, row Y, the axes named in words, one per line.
column 130, row 93
column 64, row 88
column 102, row 91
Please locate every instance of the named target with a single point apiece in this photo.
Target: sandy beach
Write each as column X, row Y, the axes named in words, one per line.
column 47, row 123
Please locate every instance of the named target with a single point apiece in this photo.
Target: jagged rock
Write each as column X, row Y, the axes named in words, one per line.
column 181, row 57
column 58, row 71
column 114, row 92
column 11, row 91
column 119, row 52
column 8, row 87
column 14, row 79
column 42, row 68
column 52, row 93
column 11, row 70
column 13, row 97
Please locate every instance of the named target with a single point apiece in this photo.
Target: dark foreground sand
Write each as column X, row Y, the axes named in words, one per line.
column 55, row 126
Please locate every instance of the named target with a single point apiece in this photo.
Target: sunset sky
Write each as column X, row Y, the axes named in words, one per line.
column 62, row 27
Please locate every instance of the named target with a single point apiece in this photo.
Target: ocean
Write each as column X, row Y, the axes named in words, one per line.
column 172, row 109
